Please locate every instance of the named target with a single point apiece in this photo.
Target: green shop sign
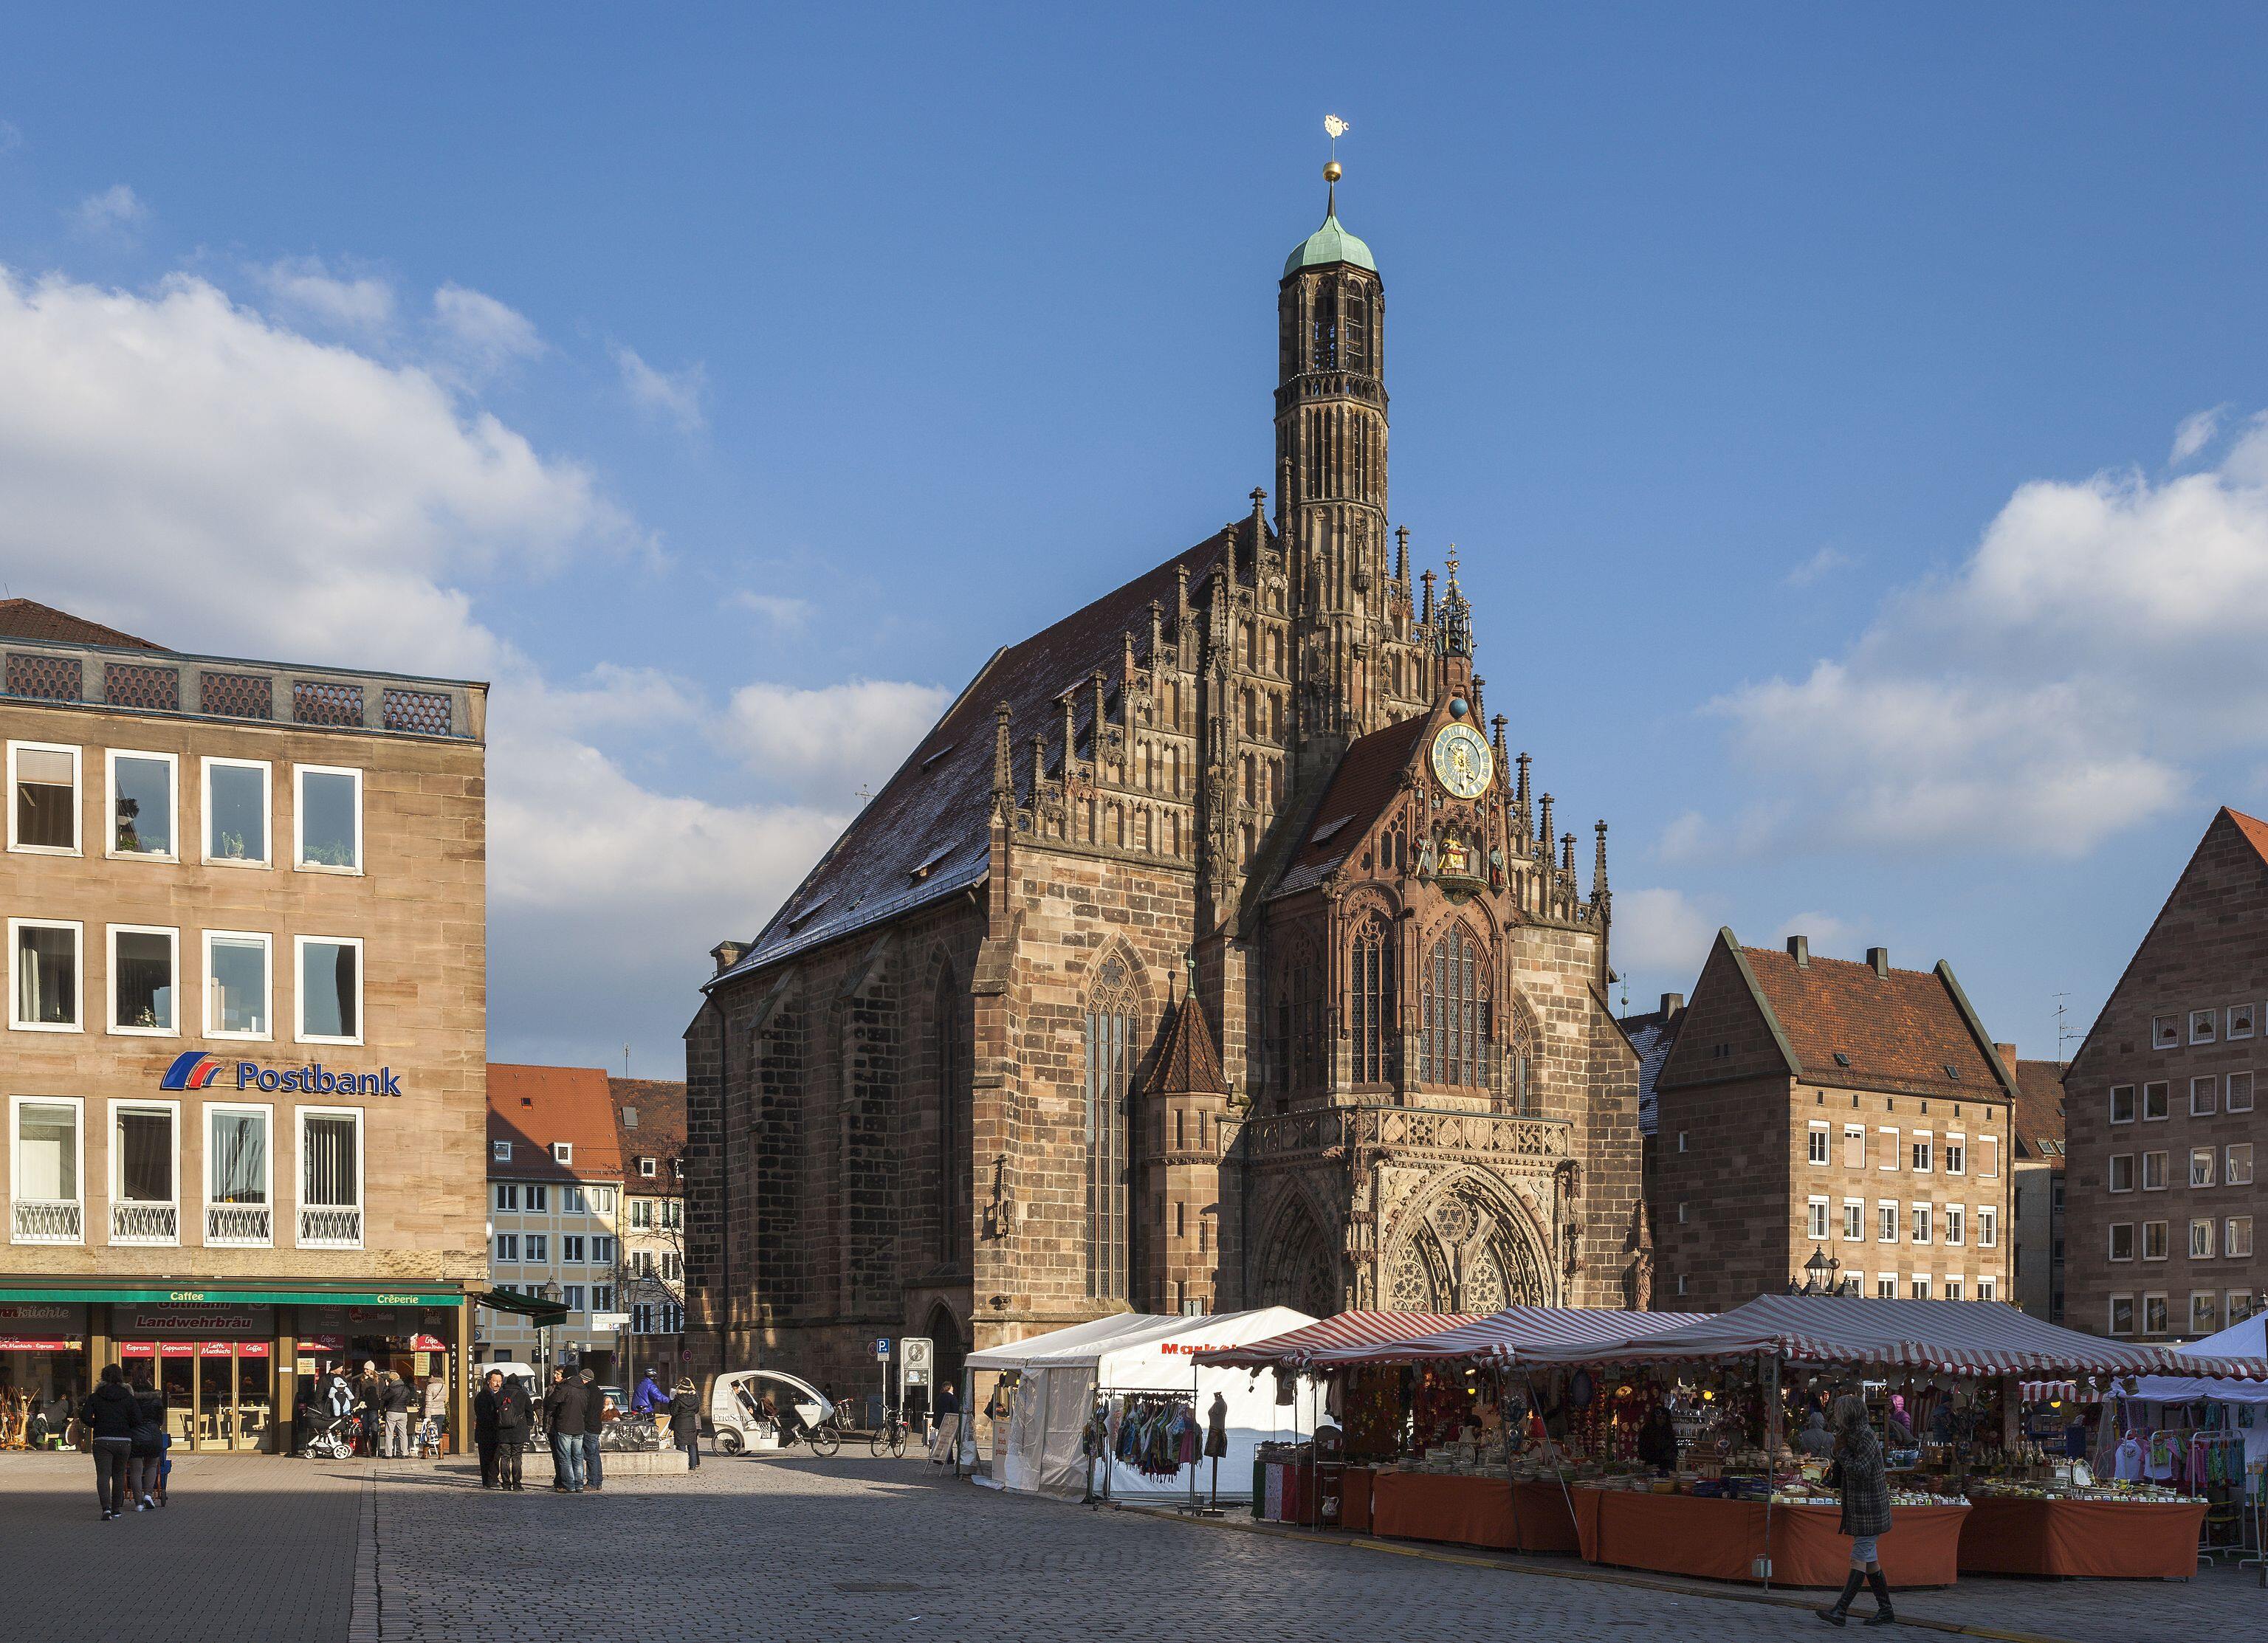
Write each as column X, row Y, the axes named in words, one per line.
column 249, row 1297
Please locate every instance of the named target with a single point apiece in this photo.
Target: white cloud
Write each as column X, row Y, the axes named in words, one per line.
column 112, row 211
column 1825, row 931
column 832, row 738
column 675, row 395
column 2196, row 432
column 485, row 334
column 2068, row 682
column 1822, row 564
column 304, row 287
column 1660, row 931
column 785, row 614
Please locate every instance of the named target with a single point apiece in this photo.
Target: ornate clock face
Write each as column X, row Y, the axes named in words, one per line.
column 1461, row 760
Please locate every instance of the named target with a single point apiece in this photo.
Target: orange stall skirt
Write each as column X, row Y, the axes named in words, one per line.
column 1720, row 1540
column 1471, row 1512
column 2103, row 1539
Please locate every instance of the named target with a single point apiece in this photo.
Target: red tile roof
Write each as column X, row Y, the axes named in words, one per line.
column 534, row 1107
column 2254, row 831
column 1364, row 784
column 28, row 618
column 927, row 832
column 2035, row 1122
column 1189, row 1064
column 650, row 1115
column 1901, row 1030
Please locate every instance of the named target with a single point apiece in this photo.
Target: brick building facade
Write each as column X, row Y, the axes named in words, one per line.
column 2161, row 1117
column 1210, row 952
column 1815, row 1105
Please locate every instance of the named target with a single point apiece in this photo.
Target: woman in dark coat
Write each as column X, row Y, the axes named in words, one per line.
column 1858, row 1467
column 685, row 1424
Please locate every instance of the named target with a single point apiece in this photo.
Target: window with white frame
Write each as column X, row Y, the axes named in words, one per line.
column 1854, row 1146
column 1854, row 1219
column 646, row 1169
column 1886, row 1287
column 570, row 1248
column 1988, row 1154
column 571, row 1201
column 2236, row 1238
column 2122, row 1315
column 507, row 1195
column 2201, row 1238
column 500, row 1151
column 641, row 1264
column 239, row 1176
column 2204, row 1095
column 1988, row 1227
column 239, row 985
column 2122, row 1104
column 2202, row 1023
column 2236, row 1164
column 573, row 1294
column 672, row 1267
column 142, row 803
column 641, row 1214
column 2204, row 1312
column 2240, row 1092
column 1886, row 1222
column 331, row 989
column 1953, row 1290
column 236, row 807
column 2154, row 1241
column 48, row 1157
column 641, row 1318
column 1956, row 1223
column 602, row 1251
column 2155, row 1107
column 145, row 1171
column 330, row 1178
column 2121, row 1176
column 1890, row 1141
column 1988, row 1288
column 602, row 1200
column 2153, row 1172
column 2240, row 1021
column 507, row 1246
column 2153, row 1314
column 1815, row 1145
column 1954, row 1153
column 48, row 973
column 1816, row 1219
column 562, row 1152
column 1919, row 1221
column 2121, row 1241
column 1920, row 1285
column 673, row 1216
column 43, row 798
column 1922, row 1152
column 2201, row 1162
column 327, row 819
column 2242, row 1305
column 539, row 1198
column 2165, row 1032
column 144, row 977
column 539, row 1246
column 602, row 1297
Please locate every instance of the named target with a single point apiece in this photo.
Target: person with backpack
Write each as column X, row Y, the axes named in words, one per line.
column 148, row 1448
column 514, row 1414
column 107, row 1416
column 563, row 1407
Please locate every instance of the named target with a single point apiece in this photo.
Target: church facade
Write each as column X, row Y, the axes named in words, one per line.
column 1210, row 951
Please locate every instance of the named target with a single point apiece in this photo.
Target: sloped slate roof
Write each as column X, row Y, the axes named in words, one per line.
column 1189, row 1064
column 1368, row 777
column 28, row 618
column 927, row 832
column 1653, row 1036
column 2036, row 1123
column 1904, row 1029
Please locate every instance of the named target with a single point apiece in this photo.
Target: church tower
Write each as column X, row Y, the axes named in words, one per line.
column 1330, row 481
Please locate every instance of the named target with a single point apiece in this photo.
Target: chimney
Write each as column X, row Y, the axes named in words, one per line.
column 1672, row 1004
column 727, row 954
column 1799, row 947
column 2008, row 1054
column 1878, row 960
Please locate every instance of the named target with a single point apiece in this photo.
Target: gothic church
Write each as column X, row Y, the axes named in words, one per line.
column 1209, row 952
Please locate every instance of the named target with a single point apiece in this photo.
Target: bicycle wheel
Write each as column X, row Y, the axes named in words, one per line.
column 898, row 1439
column 824, row 1441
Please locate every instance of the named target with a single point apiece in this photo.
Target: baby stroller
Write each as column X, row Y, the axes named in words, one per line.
column 431, row 1432
column 337, row 1439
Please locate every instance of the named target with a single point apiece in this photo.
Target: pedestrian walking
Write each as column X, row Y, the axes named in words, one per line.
column 108, row 1415
column 396, row 1399
column 369, row 1396
column 513, row 1415
column 149, row 1446
column 685, row 1424
column 594, row 1427
column 563, row 1415
column 1859, row 1468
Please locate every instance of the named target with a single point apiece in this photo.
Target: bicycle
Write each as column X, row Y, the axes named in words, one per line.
column 891, row 1437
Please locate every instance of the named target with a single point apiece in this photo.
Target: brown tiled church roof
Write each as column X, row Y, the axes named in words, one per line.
column 927, row 833
column 28, row 618
column 1368, row 777
column 1903, row 1029
column 1189, row 1064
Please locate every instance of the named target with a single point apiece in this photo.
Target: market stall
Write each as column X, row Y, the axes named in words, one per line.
column 2208, row 1437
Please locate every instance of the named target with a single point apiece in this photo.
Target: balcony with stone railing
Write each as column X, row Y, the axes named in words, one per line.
column 1380, row 1129
column 169, row 683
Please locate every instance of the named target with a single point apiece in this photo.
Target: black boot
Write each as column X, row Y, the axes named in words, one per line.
column 1881, row 1587
column 1834, row 1615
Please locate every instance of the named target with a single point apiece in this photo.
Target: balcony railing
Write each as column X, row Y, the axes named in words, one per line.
column 49, row 1221
column 239, row 1223
column 145, row 1224
column 331, row 1227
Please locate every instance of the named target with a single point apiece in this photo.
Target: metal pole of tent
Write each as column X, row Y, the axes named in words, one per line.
column 1771, row 1461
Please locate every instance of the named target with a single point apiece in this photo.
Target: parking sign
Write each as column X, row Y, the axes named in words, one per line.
column 882, row 1348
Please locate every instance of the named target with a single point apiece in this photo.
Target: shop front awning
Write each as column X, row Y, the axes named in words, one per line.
column 541, row 1312
column 421, row 1296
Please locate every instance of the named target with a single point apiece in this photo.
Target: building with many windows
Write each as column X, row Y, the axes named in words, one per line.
column 2161, row 1111
column 554, row 1196
column 2035, row 1167
column 1813, row 1107
column 650, row 1115
column 246, row 1014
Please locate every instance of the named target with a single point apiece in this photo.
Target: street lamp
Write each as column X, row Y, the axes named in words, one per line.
column 1819, row 1275
column 550, row 1292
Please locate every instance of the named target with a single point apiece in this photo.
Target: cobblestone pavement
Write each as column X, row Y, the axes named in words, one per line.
column 252, row 1550
column 859, row 1549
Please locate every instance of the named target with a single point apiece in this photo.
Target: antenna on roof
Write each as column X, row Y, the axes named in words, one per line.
column 2062, row 1031
column 864, row 795
column 626, row 1062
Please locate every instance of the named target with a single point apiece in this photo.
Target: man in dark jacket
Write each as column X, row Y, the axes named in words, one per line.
column 563, row 1407
column 108, row 1415
column 514, row 1414
column 486, row 1407
column 595, row 1426
column 395, row 1399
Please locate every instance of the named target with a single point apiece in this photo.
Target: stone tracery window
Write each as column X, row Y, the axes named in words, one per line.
column 1454, row 1045
column 1110, row 1057
column 1371, row 1001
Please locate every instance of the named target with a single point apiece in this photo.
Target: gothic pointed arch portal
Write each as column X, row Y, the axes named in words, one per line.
column 1296, row 1266
column 1464, row 1252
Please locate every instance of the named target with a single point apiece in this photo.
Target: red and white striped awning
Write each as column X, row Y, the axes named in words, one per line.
column 2048, row 1391
column 1939, row 1337
column 1517, row 1333
column 1348, row 1331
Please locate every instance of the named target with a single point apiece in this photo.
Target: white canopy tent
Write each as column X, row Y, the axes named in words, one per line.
column 2247, row 1338
column 1063, row 1374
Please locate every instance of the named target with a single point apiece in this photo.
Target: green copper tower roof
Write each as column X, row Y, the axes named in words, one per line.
column 1330, row 244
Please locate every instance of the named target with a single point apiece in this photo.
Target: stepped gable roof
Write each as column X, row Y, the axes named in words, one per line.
column 535, row 1108
column 2036, row 1121
column 1189, row 1064
column 28, row 618
column 1903, row 1029
column 1653, row 1036
column 927, row 832
column 1368, row 777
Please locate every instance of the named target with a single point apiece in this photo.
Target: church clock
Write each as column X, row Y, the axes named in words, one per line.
column 1461, row 760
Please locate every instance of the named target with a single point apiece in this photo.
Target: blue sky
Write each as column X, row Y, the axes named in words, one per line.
column 1846, row 417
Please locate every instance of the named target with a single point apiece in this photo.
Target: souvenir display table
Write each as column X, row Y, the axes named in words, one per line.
column 2110, row 1534
column 1720, row 1539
